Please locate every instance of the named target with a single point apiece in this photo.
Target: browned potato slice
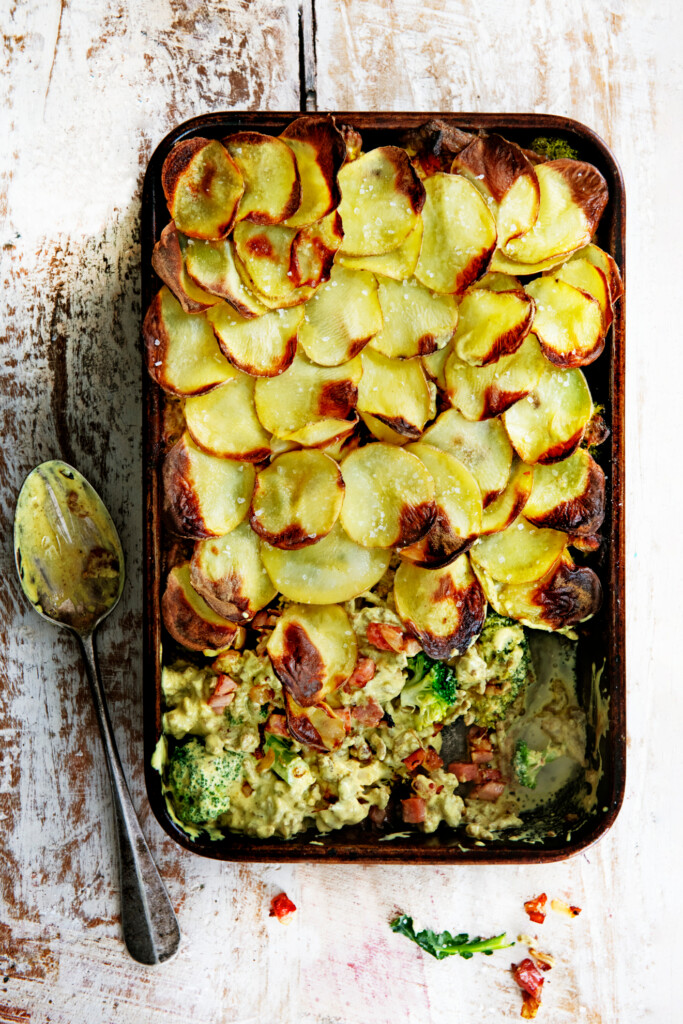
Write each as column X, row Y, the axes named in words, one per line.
column 547, row 425
column 229, row 574
column 434, row 144
column 272, row 189
column 263, row 347
column 585, row 276
column 382, row 197
column 313, row 651
column 313, row 251
column 567, row 322
column 496, row 282
column 396, row 392
column 491, row 324
column 604, row 262
column 416, row 321
column 224, row 421
column 265, row 253
column 457, row 523
column 381, row 431
column 502, row 512
column 203, row 187
column 398, row 264
column 320, row 151
column 333, row 570
column 520, row 554
column 341, row 318
column 483, row 448
column 317, row 727
column 444, row 608
column 435, row 364
column 207, row 497
column 569, row 495
column 390, row 496
column 297, row 499
column 459, row 234
column 324, row 432
column 480, row 392
column 501, row 264
column 167, row 262
column 189, row 619
column 212, row 266
column 182, row 353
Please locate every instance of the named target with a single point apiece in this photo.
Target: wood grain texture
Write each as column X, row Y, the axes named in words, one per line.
column 87, row 91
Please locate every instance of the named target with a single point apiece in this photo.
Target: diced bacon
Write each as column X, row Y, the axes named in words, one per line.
column 488, row 791
column 535, row 908
column 344, row 714
column 482, row 756
column 465, row 771
column 411, row 647
column 432, row 761
column 414, row 810
column 368, row 714
column 481, row 748
column 414, row 760
column 377, row 815
column 224, row 693
column 277, row 724
column 362, row 674
column 491, row 775
column 564, row 908
column 528, row 977
column 282, row 908
column 391, row 638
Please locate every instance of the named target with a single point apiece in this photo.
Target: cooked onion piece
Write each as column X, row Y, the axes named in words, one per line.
column 207, row 497
column 395, row 392
column 491, row 324
column 444, row 608
column 313, row 251
column 389, row 500
column 263, row 347
column 203, row 187
column 459, row 234
column 381, row 431
column 568, row 322
column 189, row 619
column 416, row 321
column 297, row 499
column 480, row 392
column 333, row 570
column 313, row 650
column 212, row 266
column 320, row 151
column 224, row 421
column 182, row 353
column 265, row 252
column 585, row 276
column 272, row 190
column 398, row 264
column 317, row 727
column 483, row 447
column 604, row 262
column 520, row 554
column 382, row 197
column 229, row 574
column 569, row 495
column 167, row 262
column 502, row 512
column 547, row 425
column 341, row 318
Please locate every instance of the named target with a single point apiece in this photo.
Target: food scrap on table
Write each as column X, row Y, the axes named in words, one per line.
column 282, row 908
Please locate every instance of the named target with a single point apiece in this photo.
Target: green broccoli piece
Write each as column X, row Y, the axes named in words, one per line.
column 527, row 763
column 554, row 149
column 288, row 765
column 503, row 645
column 199, row 781
column 431, row 688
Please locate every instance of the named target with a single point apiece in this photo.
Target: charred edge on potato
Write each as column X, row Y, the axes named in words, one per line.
column 177, row 162
column 414, row 521
column 440, row 545
column 321, row 131
column 167, row 263
column 293, row 201
column 573, row 593
column 496, row 162
column 581, row 516
column 588, row 187
column 337, row 398
column 472, row 606
column 299, row 667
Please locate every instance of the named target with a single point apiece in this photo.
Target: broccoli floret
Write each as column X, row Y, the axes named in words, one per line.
column 199, row 781
column 553, row 149
column 431, row 688
column 527, row 763
column 504, row 648
column 288, row 765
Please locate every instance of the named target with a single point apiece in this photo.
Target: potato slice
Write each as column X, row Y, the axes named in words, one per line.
column 604, row 262
column 207, row 497
column 569, row 495
column 444, row 608
column 398, row 264
column 189, row 619
column 265, row 253
column 382, row 197
column 459, row 234
column 585, row 276
column 341, row 318
column 168, row 264
column 381, row 431
column 212, row 266
column 224, row 421
column 501, row 264
column 313, row 251
column 481, row 392
column 568, row 322
column 390, row 496
column 396, row 392
column 182, row 353
column 263, row 347
column 416, row 321
column 317, row 727
column 483, row 448
column 297, row 499
column 457, row 523
column 313, row 651
column 491, row 324
column 547, row 425
column 229, row 574
column 502, row 512
column 434, row 364
column 324, row 432
column 320, row 151
column 272, row 189
column 333, row 570
column 520, row 554
column 433, row 145
column 495, row 282
column 203, row 187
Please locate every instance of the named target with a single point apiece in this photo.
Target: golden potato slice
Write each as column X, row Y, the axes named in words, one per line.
column 604, row 262
column 496, row 282
column 480, row 392
column 434, row 364
column 265, row 253
column 457, row 523
column 212, row 266
column 491, row 324
column 189, row 619
column 320, row 151
column 569, row 495
column 341, row 318
column 297, row 499
column 182, row 353
column 502, row 512
column 483, row 448
column 520, row 554
column 501, row 264
column 585, row 276
column 390, row 496
column 547, row 425
column 168, row 264
column 444, row 608
column 396, row 392
column 398, row 264
column 317, row 727
column 313, row 651
column 313, row 251
column 203, row 187
column 416, row 321
column 568, row 322
column 272, row 189
column 206, row 496
column 263, row 347
column 324, row 432
column 229, row 574
column 381, row 431
column 382, row 197
column 333, row 570
column 459, row 234
column 224, row 421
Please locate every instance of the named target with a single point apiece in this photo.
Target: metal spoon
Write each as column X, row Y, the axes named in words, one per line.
column 70, row 563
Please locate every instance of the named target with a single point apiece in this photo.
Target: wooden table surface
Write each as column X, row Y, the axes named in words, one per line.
column 88, row 88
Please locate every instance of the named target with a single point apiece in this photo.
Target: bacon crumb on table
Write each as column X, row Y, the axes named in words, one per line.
column 530, row 980
column 282, row 908
column 535, row 908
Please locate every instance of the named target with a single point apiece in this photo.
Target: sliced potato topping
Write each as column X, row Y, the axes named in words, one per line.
column 568, row 322
column 569, row 495
column 482, row 447
column 502, row 512
column 229, row 574
column 224, row 421
column 520, row 554
column 265, row 253
column 320, row 151
column 168, row 264
column 189, row 619
column 390, row 496
column 435, row 364
column 381, row 431
column 396, row 392
column 382, row 197
column 313, row 251
column 496, row 282
column 501, row 264
column 313, row 651
column 263, row 347
column 272, row 190
column 341, row 318
column 317, row 727
column 212, row 266
column 203, row 187
column 585, row 276
column 444, row 608
column 415, row 320
column 207, row 497
column 297, row 499
column 604, row 262
column 547, row 425
column 398, row 264
column 480, row 392
column 491, row 324
column 324, row 432
column 333, row 570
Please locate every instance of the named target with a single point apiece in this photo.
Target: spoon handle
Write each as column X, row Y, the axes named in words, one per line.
column 150, row 927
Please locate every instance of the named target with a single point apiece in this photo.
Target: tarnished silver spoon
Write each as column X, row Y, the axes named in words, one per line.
column 70, row 563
